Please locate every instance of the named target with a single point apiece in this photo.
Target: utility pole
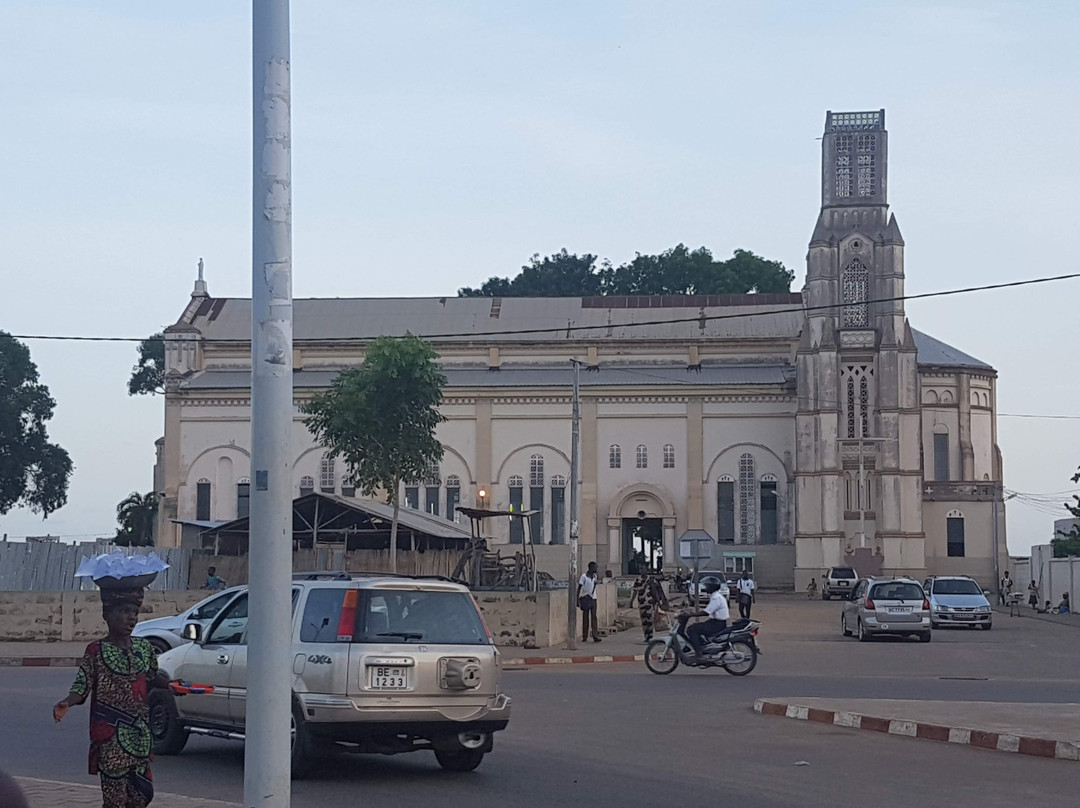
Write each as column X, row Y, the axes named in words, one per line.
column 575, row 465
column 269, row 697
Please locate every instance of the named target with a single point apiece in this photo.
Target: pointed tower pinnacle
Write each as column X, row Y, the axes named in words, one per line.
column 200, row 284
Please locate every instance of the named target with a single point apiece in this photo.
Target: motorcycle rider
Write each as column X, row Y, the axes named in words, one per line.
column 718, row 613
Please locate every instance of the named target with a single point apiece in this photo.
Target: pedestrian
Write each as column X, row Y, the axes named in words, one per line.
column 643, row 596
column 116, row 675
column 587, row 600
column 1046, row 609
column 1063, row 607
column 212, row 579
column 1033, row 595
column 1005, row 589
column 746, row 588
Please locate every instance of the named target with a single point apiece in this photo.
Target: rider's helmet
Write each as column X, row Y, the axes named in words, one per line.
column 711, row 585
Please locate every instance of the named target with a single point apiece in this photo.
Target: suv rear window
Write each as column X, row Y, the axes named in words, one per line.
column 956, row 587
column 896, row 591
column 843, row 572
column 394, row 616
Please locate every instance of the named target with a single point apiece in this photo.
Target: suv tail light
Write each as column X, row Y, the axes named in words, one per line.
column 870, row 604
column 926, row 604
column 483, row 622
column 347, row 621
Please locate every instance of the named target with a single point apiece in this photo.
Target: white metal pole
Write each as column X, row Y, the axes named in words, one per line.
column 575, row 463
column 269, row 663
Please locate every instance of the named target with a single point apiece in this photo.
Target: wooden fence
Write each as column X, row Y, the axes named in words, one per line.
column 51, row 566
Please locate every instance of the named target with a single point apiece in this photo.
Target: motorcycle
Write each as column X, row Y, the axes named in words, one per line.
column 734, row 649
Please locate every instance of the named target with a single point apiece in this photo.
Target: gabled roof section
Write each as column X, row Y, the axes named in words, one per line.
column 935, row 352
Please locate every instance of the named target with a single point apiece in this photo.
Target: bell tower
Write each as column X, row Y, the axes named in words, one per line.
column 858, row 470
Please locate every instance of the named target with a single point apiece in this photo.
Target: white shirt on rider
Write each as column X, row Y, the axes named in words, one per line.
column 717, row 608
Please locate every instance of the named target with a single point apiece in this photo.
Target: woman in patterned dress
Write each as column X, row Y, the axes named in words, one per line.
column 115, row 674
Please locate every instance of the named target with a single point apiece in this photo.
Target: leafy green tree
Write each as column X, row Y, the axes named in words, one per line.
column 1068, row 543
column 136, row 515
column 33, row 471
column 148, row 375
column 381, row 418
column 678, row 271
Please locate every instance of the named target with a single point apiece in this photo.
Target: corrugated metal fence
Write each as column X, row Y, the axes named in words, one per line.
column 51, row 566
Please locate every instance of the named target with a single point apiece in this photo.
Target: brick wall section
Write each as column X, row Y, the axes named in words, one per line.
column 75, row 616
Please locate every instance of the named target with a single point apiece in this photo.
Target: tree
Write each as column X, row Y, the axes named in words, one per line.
column 381, row 419
column 33, row 471
column 136, row 515
column 1068, row 543
column 678, row 271
column 148, row 375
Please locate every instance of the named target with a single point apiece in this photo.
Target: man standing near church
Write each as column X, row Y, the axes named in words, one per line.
column 746, row 587
column 587, row 600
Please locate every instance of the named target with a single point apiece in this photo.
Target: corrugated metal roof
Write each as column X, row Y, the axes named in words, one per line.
column 481, row 317
column 935, row 352
column 410, row 519
column 524, row 377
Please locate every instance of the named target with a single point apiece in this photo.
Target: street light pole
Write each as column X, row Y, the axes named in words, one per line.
column 575, row 463
column 269, row 635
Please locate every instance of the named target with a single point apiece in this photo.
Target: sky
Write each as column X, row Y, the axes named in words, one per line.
column 437, row 144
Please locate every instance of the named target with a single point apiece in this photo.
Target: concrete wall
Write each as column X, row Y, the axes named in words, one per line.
column 76, row 616
column 1053, row 576
column 537, row 619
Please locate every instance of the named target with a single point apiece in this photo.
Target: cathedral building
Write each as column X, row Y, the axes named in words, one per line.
column 800, row 431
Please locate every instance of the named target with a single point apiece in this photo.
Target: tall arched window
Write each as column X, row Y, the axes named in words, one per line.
column 747, row 500
column 348, row 487
column 558, row 509
column 202, row 499
column 669, row 456
column 517, row 527
column 243, row 497
column 769, row 504
column 326, row 474
column 536, row 470
column 615, row 456
column 642, row 456
column 307, row 485
column 453, row 497
column 954, row 534
column 432, row 487
column 536, row 498
column 855, row 286
column 725, row 508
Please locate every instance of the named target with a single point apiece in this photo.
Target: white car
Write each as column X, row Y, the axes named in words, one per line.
column 164, row 632
column 957, row 600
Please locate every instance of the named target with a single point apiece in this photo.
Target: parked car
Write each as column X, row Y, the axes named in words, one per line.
column 164, row 632
column 886, row 606
column 838, row 582
column 957, row 600
column 699, row 594
column 383, row 664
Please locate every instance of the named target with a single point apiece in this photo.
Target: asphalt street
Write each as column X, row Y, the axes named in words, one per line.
column 616, row 735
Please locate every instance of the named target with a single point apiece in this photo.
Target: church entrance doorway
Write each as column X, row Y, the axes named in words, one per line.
column 643, row 545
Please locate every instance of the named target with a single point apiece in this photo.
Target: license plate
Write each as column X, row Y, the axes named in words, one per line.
column 899, row 610
column 386, row 678
column 965, row 617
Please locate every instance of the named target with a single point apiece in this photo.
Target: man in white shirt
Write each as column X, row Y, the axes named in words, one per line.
column 717, row 612
column 746, row 587
column 587, row 600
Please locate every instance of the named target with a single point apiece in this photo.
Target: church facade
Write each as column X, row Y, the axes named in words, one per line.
column 795, row 429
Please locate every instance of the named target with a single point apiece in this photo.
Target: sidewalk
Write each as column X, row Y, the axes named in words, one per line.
column 1043, row 730
column 1070, row 619
column 58, row 794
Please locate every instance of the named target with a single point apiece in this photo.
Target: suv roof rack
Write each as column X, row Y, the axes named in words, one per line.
column 340, row 575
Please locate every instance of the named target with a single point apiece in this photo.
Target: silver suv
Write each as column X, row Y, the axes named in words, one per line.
column 838, row 582
column 382, row 664
column 886, row 606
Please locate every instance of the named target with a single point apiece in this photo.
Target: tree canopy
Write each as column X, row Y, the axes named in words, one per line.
column 136, row 515
column 148, row 375
column 1068, row 544
column 33, row 471
column 381, row 418
column 678, row 271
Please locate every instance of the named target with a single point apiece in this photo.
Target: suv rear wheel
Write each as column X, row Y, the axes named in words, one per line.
column 168, row 736
column 863, row 636
column 300, row 751
column 459, row 760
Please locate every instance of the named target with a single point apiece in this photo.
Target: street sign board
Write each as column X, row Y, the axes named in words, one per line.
column 695, row 550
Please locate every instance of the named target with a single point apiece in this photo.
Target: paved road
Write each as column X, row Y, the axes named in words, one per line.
column 614, row 735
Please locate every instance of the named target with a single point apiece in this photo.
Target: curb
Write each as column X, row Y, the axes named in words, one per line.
column 578, row 660
column 40, row 662
column 1002, row 742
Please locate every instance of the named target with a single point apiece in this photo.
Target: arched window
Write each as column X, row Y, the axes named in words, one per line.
column 432, row 488
column 536, row 470
column 858, row 399
column 941, row 453
column 558, row 509
column 954, row 534
column 747, row 500
column 855, row 285
column 243, row 497
column 348, row 487
column 669, row 456
column 769, row 507
column 202, row 499
column 307, row 485
column 453, row 497
column 642, row 456
column 326, row 474
column 517, row 504
column 725, row 508
column 615, row 456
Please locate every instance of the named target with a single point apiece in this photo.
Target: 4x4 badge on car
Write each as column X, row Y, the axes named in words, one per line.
column 319, row 659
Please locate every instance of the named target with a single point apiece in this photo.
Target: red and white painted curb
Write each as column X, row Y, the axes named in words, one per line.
column 40, row 662
column 1002, row 742
column 575, row 660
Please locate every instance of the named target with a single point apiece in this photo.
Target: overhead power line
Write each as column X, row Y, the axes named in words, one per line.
column 569, row 328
